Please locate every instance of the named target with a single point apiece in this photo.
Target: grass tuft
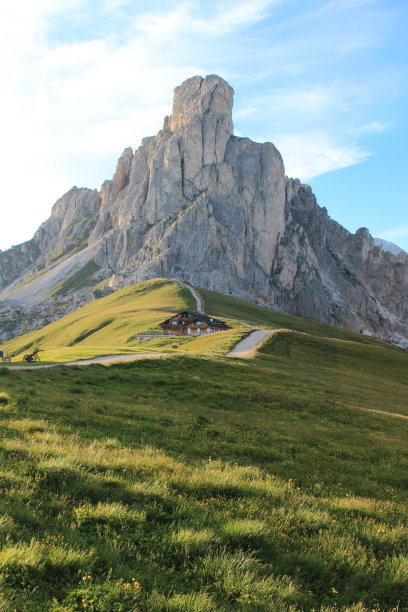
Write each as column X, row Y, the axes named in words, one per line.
column 204, row 483
column 4, row 398
column 181, row 602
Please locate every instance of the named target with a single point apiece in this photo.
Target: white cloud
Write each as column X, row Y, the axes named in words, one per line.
column 184, row 20
column 374, row 126
column 236, row 14
column 313, row 100
column 113, row 136
column 310, row 154
column 74, row 56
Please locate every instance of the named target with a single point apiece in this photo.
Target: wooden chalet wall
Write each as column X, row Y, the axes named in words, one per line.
column 189, row 324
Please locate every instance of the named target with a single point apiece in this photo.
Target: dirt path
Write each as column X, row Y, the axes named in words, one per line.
column 196, row 296
column 102, row 360
column 396, row 415
column 249, row 343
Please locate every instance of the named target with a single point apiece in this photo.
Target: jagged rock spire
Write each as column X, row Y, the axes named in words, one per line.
column 195, row 201
column 203, row 108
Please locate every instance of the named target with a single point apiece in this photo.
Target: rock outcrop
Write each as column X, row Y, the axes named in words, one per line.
column 198, row 203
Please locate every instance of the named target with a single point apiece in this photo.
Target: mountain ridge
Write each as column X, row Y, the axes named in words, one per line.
column 196, row 202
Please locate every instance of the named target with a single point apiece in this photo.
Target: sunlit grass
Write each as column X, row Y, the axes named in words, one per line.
column 109, row 326
column 200, row 482
column 107, row 517
column 216, row 343
column 106, row 326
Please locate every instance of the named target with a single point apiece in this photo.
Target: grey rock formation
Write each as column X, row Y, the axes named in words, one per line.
column 197, row 203
column 67, row 231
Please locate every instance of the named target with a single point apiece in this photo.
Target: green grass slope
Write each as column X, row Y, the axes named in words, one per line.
column 206, row 483
column 232, row 308
column 108, row 326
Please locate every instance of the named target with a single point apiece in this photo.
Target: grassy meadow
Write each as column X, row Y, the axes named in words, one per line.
column 108, row 327
column 235, row 309
column 199, row 482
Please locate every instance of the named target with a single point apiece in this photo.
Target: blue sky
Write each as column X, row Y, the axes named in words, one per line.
column 325, row 81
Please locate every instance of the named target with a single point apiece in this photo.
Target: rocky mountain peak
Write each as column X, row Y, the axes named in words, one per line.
column 197, row 203
column 199, row 99
column 202, row 119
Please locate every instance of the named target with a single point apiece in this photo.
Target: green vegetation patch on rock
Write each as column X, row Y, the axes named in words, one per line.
column 76, row 280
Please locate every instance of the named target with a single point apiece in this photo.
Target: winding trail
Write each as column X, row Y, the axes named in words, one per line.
column 396, row 415
column 107, row 359
column 245, row 346
column 195, row 294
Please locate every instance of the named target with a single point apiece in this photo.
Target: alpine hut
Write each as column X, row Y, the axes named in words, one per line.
column 188, row 323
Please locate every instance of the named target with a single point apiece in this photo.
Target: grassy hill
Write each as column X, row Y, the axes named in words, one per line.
column 108, row 327
column 201, row 482
column 232, row 308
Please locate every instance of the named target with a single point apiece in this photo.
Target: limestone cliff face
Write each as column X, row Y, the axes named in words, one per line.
column 347, row 280
column 198, row 203
column 66, row 231
column 195, row 200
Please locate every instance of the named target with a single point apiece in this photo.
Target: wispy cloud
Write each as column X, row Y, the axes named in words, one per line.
column 187, row 18
column 374, row 126
column 311, row 154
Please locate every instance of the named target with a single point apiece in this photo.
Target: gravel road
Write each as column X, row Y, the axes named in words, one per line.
column 103, row 360
column 250, row 342
column 196, row 296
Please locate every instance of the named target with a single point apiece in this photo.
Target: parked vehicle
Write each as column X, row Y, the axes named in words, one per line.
column 32, row 357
